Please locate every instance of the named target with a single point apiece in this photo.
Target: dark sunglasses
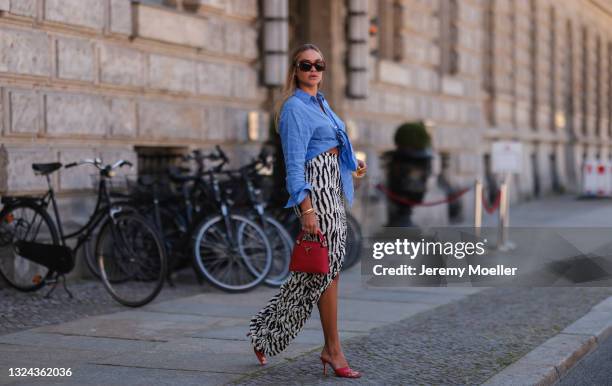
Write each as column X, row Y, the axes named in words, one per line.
column 305, row 66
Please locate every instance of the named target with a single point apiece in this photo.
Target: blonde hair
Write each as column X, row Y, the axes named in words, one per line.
column 291, row 80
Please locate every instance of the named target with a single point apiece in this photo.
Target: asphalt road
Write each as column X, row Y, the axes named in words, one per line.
column 594, row 369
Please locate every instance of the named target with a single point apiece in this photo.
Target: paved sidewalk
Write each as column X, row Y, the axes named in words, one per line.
column 25, row 310
column 196, row 340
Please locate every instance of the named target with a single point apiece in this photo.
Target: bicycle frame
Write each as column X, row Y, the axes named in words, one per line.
column 212, row 185
column 102, row 209
column 207, row 183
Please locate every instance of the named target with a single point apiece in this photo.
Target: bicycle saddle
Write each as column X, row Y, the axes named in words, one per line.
column 46, row 168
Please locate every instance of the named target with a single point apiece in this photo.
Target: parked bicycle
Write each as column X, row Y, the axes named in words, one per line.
column 228, row 249
column 151, row 196
column 33, row 250
column 231, row 250
column 247, row 199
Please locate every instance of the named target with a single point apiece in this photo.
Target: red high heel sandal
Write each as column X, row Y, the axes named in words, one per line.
column 261, row 357
column 343, row 372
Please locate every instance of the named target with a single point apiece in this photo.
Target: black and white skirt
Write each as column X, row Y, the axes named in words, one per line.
column 278, row 323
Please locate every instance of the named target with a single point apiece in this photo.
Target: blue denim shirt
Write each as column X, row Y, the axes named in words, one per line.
column 307, row 132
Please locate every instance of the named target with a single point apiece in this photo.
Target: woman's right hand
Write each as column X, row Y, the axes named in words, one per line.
column 309, row 223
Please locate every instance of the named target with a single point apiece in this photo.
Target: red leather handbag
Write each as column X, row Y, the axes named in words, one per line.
column 310, row 256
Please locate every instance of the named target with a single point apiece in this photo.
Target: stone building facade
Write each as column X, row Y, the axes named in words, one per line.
column 127, row 79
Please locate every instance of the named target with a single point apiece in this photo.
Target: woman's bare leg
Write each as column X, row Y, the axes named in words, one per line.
column 328, row 310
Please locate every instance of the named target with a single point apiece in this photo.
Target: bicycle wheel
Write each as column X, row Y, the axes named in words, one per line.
column 27, row 222
column 131, row 259
column 354, row 242
column 282, row 245
column 232, row 265
column 89, row 246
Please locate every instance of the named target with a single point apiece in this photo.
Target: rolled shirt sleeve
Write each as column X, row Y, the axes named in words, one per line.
column 295, row 136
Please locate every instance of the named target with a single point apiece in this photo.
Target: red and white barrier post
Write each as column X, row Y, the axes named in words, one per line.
column 602, row 188
column 589, row 178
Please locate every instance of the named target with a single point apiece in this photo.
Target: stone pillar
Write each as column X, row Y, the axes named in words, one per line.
column 358, row 51
column 275, row 41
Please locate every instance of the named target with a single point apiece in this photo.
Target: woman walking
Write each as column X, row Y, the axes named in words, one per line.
column 319, row 160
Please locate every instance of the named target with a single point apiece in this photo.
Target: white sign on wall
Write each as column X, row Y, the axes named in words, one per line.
column 506, row 157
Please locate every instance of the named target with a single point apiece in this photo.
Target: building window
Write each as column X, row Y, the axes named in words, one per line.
column 157, row 2
column 568, row 97
column 533, row 53
column 390, row 43
column 553, row 68
column 584, row 80
column 156, row 160
column 598, row 85
column 488, row 62
column 449, row 37
column 514, row 60
column 609, row 90
column 192, row 6
column 374, row 28
column 174, row 4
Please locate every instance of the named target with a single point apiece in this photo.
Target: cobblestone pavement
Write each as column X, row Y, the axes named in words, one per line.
column 462, row 343
column 20, row 310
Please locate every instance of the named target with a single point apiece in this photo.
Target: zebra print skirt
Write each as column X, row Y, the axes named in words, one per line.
column 278, row 323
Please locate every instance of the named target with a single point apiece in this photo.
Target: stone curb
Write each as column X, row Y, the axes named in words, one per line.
column 547, row 363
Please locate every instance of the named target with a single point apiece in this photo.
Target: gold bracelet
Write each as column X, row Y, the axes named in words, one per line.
column 307, row 211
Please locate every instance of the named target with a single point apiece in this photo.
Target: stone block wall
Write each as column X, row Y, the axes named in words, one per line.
column 85, row 78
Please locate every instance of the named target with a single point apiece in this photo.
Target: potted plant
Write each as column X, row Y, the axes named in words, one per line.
column 407, row 168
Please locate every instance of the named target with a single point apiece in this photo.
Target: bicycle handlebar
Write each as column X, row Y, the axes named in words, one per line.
column 97, row 162
column 121, row 163
column 197, row 155
column 219, row 155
